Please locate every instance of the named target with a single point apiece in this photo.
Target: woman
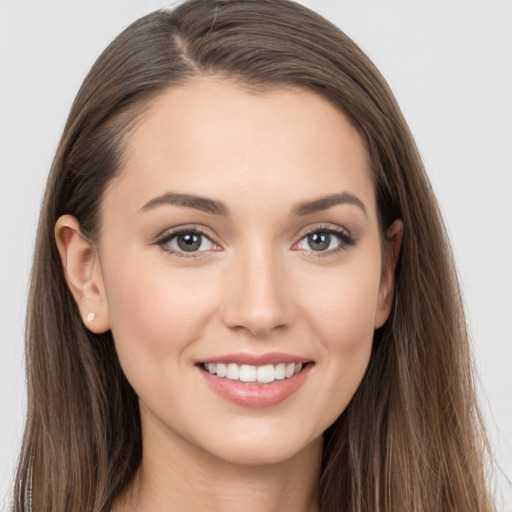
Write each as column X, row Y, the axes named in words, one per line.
column 242, row 295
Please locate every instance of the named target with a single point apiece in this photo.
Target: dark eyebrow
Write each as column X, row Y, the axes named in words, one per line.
column 324, row 203
column 188, row 201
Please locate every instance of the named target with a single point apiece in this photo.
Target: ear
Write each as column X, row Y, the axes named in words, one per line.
column 387, row 280
column 83, row 275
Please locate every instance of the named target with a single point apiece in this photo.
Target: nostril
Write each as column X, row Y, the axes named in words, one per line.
column 257, row 330
column 256, row 297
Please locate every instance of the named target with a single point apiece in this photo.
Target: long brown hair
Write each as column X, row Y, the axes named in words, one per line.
column 412, row 438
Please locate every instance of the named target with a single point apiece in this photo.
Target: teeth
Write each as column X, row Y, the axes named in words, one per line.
column 248, row 373
column 233, row 372
column 266, row 373
column 221, row 370
column 280, row 371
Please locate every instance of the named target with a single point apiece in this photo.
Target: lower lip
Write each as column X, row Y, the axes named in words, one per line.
column 256, row 395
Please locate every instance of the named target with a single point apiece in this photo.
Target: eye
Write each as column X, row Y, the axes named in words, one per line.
column 325, row 240
column 186, row 242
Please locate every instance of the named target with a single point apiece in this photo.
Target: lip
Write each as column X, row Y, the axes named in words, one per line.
column 256, row 359
column 256, row 395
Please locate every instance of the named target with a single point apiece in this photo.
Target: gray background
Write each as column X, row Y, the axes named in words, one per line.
column 449, row 63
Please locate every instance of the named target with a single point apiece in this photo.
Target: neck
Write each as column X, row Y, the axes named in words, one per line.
column 185, row 479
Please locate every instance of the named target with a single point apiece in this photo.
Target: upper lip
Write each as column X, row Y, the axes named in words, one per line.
column 256, row 359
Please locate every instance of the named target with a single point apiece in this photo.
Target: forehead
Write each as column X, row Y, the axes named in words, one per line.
column 217, row 139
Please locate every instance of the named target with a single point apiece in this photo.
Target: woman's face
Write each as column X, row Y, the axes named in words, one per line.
column 241, row 235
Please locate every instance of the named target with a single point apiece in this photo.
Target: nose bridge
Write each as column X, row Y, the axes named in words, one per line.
column 257, row 299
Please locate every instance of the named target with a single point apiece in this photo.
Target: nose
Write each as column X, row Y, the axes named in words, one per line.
column 257, row 296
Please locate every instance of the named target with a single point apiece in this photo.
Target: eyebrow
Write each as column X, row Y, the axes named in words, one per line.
column 324, row 203
column 215, row 207
column 188, row 201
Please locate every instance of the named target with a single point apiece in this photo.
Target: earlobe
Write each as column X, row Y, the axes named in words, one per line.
column 82, row 272
column 387, row 282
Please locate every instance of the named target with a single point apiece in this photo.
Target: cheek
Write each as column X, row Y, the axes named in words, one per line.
column 342, row 306
column 340, row 310
column 348, row 326
column 154, row 312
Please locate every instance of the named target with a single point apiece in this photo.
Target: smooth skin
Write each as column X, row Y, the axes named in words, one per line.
column 256, row 280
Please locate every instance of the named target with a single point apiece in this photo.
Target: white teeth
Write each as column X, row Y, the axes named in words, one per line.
column 233, row 372
column 280, row 371
column 222, row 370
column 249, row 373
column 266, row 373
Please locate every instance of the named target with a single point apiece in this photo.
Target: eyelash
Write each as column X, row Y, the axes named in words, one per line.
column 167, row 237
column 345, row 240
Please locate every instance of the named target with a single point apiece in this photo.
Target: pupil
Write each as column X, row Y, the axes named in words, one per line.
column 319, row 241
column 189, row 242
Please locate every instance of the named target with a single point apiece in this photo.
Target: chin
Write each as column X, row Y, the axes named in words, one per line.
column 267, row 448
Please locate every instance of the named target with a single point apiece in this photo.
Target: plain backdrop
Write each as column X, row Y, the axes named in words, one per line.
column 449, row 63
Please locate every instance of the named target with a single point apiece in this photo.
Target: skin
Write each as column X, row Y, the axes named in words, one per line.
column 257, row 287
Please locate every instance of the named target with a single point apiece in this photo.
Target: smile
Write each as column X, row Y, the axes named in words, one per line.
column 250, row 373
column 255, row 381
